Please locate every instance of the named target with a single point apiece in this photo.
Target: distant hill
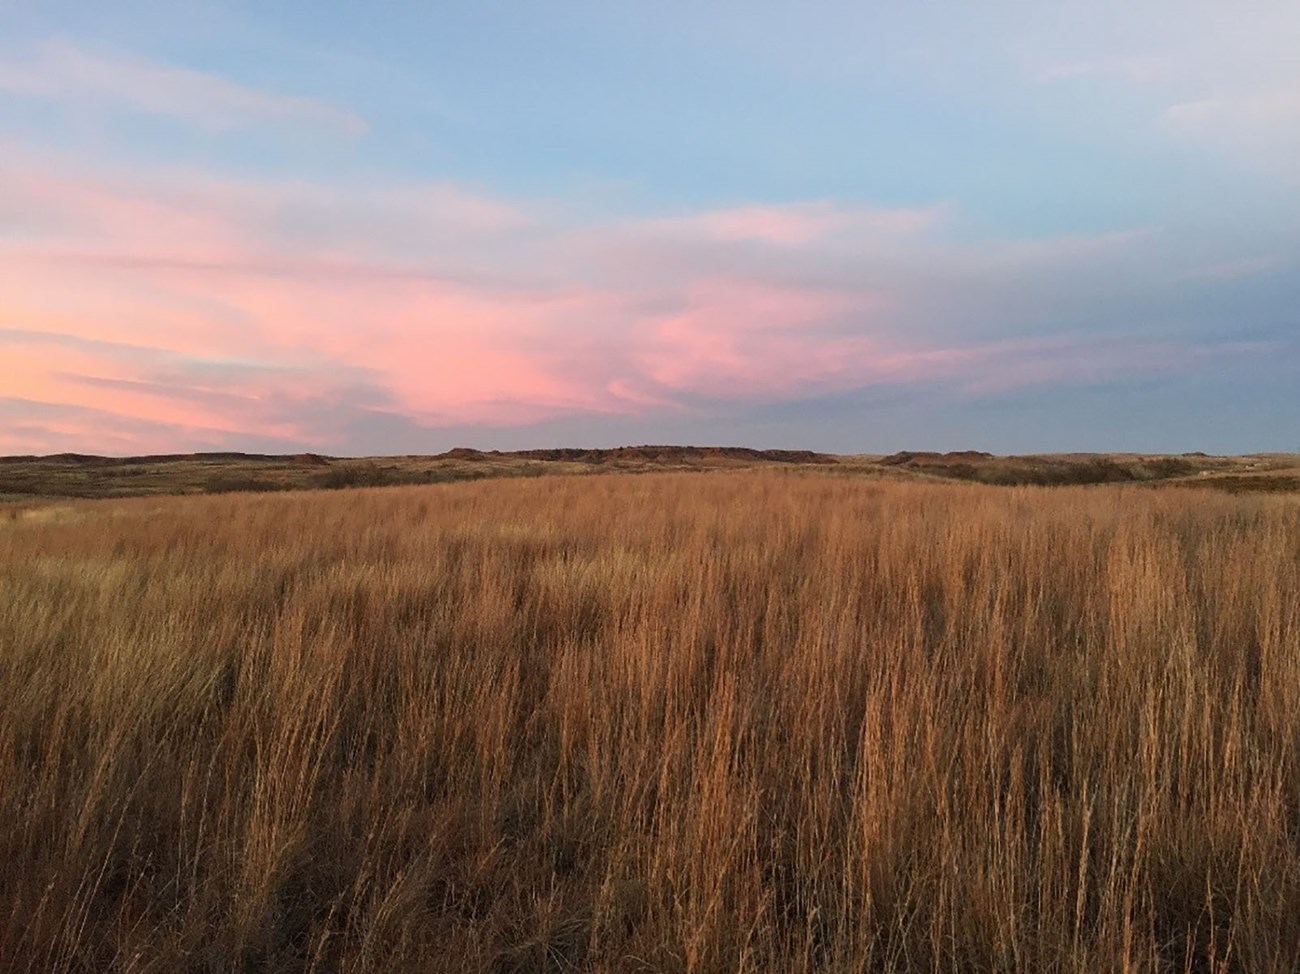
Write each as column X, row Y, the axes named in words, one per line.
column 649, row 454
column 26, row 478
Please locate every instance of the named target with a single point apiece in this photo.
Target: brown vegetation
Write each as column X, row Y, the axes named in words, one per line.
column 70, row 475
column 1061, row 469
column 760, row 721
column 653, row 454
column 67, row 475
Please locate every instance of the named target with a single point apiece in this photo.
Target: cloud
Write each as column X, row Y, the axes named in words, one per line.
column 1260, row 127
column 35, row 427
column 231, row 312
column 795, row 224
column 1223, row 77
column 1139, row 69
column 66, row 73
column 1234, row 269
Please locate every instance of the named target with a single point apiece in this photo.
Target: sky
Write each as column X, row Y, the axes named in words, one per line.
column 362, row 229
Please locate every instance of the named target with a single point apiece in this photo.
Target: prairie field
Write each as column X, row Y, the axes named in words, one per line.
column 733, row 721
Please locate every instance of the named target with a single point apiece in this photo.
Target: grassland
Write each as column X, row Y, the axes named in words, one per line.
column 758, row 720
column 69, row 475
column 66, row 475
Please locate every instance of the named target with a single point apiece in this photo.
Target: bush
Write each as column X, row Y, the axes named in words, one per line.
column 234, row 483
column 360, row 474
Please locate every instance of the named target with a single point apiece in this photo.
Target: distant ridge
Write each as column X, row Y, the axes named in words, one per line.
column 650, row 453
column 914, row 458
column 653, row 454
column 93, row 460
column 88, row 476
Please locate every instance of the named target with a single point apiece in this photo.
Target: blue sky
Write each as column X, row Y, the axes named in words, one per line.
column 400, row 227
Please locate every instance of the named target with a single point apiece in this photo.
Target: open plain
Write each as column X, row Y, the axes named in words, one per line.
column 765, row 720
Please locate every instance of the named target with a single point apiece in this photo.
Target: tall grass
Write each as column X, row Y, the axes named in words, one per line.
column 750, row 722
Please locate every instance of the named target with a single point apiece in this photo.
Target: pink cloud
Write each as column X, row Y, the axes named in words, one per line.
column 42, row 369
column 798, row 224
column 750, row 338
column 223, row 310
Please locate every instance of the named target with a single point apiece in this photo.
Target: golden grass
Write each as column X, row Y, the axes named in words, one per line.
column 721, row 722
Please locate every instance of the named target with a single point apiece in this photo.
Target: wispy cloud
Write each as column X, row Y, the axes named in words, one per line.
column 796, row 224
column 1223, row 77
column 1260, row 127
column 274, row 312
column 1140, row 69
column 63, row 72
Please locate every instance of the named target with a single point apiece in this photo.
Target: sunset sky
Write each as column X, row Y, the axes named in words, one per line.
column 399, row 227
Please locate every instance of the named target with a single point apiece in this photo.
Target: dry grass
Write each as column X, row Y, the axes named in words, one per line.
column 717, row 722
column 65, row 476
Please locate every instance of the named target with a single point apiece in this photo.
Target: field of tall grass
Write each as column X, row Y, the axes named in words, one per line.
column 725, row 722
